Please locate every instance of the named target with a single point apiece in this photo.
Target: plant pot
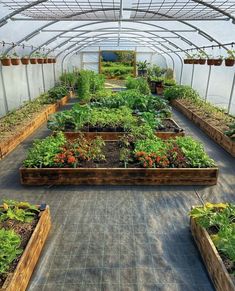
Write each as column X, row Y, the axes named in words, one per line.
column 229, row 62
column 33, row 61
column 196, row 61
column 15, row 61
column 190, row 61
column 53, row 61
column 50, row 60
column 218, row 62
column 40, row 60
column 45, row 61
column 6, row 62
column 142, row 73
column 25, row 61
column 210, row 62
column 202, row 61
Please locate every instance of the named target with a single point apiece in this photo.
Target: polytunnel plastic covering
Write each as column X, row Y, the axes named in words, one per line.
column 160, row 31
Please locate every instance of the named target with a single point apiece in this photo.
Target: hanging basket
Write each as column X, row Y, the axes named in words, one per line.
column 50, row 60
column 25, row 61
column 45, row 61
column 15, row 61
column 218, row 62
column 53, row 61
column 229, row 62
column 33, row 61
column 202, row 61
column 186, row 61
column 210, row 62
column 40, row 60
column 6, row 62
column 195, row 61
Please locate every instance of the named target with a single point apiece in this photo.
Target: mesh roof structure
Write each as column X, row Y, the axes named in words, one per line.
column 65, row 27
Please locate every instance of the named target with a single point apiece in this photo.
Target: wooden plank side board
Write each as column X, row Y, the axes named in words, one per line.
column 9, row 145
column 112, row 136
column 118, row 176
column 212, row 260
column 214, row 133
column 19, row 280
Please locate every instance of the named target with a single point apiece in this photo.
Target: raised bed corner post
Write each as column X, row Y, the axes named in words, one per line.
column 231, row 94
column 208, row 83
column 4, row 92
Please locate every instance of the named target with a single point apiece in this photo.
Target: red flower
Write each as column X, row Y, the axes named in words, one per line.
column 71, row 159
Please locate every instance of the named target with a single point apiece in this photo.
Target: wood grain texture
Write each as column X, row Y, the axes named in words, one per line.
column 19, row 280
column 118, row 176
column 214, row 133
column 9, row 145
column 111, row 136
column 213, row 262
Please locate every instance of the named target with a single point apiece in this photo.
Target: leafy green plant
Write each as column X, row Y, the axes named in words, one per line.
column 21, row 211
column 231, row 131
column 230, row 54
column 194, row 152
column 43, row 151
column 69, row 79
column 139, row 84
column 142, row 65
column 84, row 85
column 180, row 91
column 9, row 248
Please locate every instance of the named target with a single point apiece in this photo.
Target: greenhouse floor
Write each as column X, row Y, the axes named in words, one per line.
column 120, row 238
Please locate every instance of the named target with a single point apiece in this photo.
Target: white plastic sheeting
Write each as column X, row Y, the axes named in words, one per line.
column 159, row 30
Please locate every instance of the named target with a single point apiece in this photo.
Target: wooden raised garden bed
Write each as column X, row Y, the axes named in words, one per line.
column 118, row 176
column 214, row 264
column 214, row 133
column 116, row 135
column 19, row 279
column 10, row 144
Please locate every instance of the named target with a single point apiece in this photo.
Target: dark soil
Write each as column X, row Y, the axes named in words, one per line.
column 169, row 126
column 25, row 231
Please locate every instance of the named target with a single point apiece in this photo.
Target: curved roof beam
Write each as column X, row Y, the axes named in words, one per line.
column 65, row 42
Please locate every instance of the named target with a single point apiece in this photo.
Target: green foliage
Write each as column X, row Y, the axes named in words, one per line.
column 231, row 131
column 194, row 152
column 20, row 211
column 117, row 70
column 221, row 217
column 69, row 79
column 169, row 74
column 169, row 82
column 84, row 85
column 9, row 248
column 149, row 146
column 155, row 71
column 57, row 93
column 43, row 151
column 139, row 84
column 180, row 91
column 142, row 65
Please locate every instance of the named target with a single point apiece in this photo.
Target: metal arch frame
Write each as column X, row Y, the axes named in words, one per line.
column 53, row 38
column 215, row 8
column 65, row 42
column 4, row 19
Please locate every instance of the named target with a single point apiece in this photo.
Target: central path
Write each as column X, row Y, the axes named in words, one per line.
column 120, row 238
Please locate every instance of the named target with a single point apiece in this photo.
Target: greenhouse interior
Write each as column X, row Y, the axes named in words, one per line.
column 117, row 145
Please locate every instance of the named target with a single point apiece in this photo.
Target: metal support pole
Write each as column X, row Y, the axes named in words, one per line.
column 4, row 92
column 43, row 80
column 54, row 73
column 208, row 83
column 231, row 94
column 27, row 81
column 192, row 75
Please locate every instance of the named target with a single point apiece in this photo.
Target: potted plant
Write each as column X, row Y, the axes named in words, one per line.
column 39, row 57
column 142, row 68
column 15, row 60
column 189, row 59
column 230, row 59
column 45, row 59
column 218, row 61
column 5, row 60
column 34, row 58
column 53, row 60
column 25, row 60
column 202, row 56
